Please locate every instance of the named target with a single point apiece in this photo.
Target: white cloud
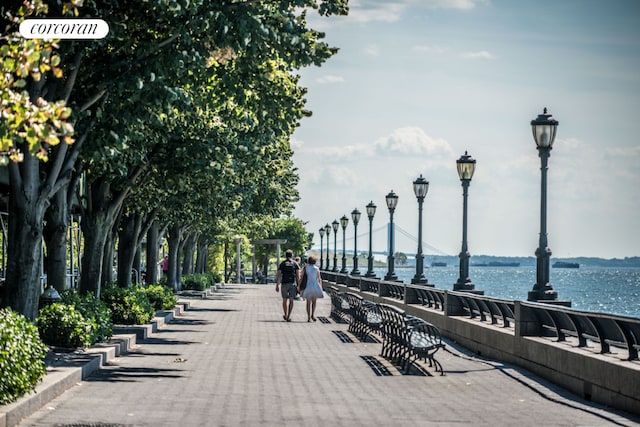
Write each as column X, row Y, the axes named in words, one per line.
column 482, row 54
column 329, row 79
column 430, row 49
column 392, row 11
column 409, row 141
column 372, row 50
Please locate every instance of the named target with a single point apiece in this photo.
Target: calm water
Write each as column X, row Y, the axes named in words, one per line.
column 603, row 289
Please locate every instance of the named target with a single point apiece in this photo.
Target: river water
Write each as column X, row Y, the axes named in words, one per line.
column 603, row 289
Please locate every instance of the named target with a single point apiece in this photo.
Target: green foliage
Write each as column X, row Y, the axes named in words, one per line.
column 92, row 309
column 128, row 306
column 198, row 282
column 62, row 325
column 21, row 356
column 161, row 297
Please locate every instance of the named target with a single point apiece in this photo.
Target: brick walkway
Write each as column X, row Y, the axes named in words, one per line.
column 232, row 361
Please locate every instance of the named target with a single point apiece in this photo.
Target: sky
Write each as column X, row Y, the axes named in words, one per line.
column 416, row 83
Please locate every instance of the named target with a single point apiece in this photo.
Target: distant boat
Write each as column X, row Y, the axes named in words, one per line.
column 504, row 264
column 496, row 264
column 565, row 264
column 438, row 264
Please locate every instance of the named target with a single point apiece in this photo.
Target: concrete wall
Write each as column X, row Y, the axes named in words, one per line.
column 605, row 379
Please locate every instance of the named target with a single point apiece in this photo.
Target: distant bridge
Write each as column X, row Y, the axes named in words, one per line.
column 363, row 242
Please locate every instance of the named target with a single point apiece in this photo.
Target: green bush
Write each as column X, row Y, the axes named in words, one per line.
column 128, row 306
column 62, row 325
column 161, row 297
column 196, row 282
column 94, row 309
column 21, row 356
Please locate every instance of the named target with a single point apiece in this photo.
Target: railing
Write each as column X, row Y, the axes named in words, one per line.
column 586, row 327
column 543, row 320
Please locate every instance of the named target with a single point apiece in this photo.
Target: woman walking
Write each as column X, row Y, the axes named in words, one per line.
column 313, row 291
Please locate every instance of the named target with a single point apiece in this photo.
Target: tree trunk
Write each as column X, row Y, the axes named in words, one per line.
column 152, row 254
column 55, row 236
column 128, row 230
column 137, row 262
column 203, row 252
column 189, row 253
column 24, row 240
column 175, row 235
column 95, row 229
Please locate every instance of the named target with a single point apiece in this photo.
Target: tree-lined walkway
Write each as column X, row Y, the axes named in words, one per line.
column 231, row 361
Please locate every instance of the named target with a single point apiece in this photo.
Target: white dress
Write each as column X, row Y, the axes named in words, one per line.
column 313, row 288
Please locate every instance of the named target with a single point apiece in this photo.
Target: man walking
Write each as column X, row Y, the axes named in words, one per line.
column 288, row 276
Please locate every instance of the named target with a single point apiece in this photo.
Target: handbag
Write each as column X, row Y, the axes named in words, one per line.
column 303, row 282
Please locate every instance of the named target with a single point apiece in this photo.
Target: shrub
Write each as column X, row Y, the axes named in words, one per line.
column 128, row 306
column 62, row 325
column 161, row 297
column 94, row 309
column 21, row 356
column 196, row 282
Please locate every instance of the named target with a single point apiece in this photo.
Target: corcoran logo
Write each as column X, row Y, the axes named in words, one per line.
column 64, row 29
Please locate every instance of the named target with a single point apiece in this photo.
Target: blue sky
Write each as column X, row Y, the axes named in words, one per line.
column 418, row 82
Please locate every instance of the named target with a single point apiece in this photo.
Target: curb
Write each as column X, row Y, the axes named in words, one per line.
column 64, row 370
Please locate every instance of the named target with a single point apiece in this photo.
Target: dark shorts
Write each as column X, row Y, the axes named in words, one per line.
column 288, row 290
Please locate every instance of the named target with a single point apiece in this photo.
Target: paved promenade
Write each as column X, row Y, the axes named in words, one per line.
column 232, row 361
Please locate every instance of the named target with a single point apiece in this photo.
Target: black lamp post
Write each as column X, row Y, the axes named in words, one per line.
column 420, row 188
column 321, row 232
column 327, row 231
column 544, row 133
column 355, row 217
column 344, row 221
column 392, row 202
column 466, row 167
column 335, row 224
column 371, row 211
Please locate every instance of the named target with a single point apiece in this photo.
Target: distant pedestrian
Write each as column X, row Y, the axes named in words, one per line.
column 313, row 291
column 165, row 266
column 287, row 275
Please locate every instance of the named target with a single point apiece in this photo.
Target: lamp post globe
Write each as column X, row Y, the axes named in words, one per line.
column 321, row 232
column 466, row 166
column 327, row 231
column 420, row 189
column 355, row 217
column 335, row 224
column 344, row 221
column 544, row 134
column 371, row 212
column 392, row 202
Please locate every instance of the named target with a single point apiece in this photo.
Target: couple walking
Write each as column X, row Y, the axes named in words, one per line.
column 290, row 276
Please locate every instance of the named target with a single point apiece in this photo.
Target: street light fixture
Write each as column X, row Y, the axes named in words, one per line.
column 544, row 133
column 321, row 232
column 371, row 211
column 344, row 221
column 392, row 202
column 420, row 188
column 335, row 224
column 355, row 217
column 327, row 231
column 466, row 167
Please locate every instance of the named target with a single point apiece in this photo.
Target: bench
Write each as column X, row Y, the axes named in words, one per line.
column 341, row 311
column 365, row 317
column 406, row 339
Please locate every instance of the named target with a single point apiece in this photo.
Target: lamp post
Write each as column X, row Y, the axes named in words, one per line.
column 355, row 217
column 344, row 221
column 544, row 133
column 392, row 202
column 335, row 224
column 327, row 231
column 420, row 188
column 371, row 211
column 466, row 167
column 321, row 232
